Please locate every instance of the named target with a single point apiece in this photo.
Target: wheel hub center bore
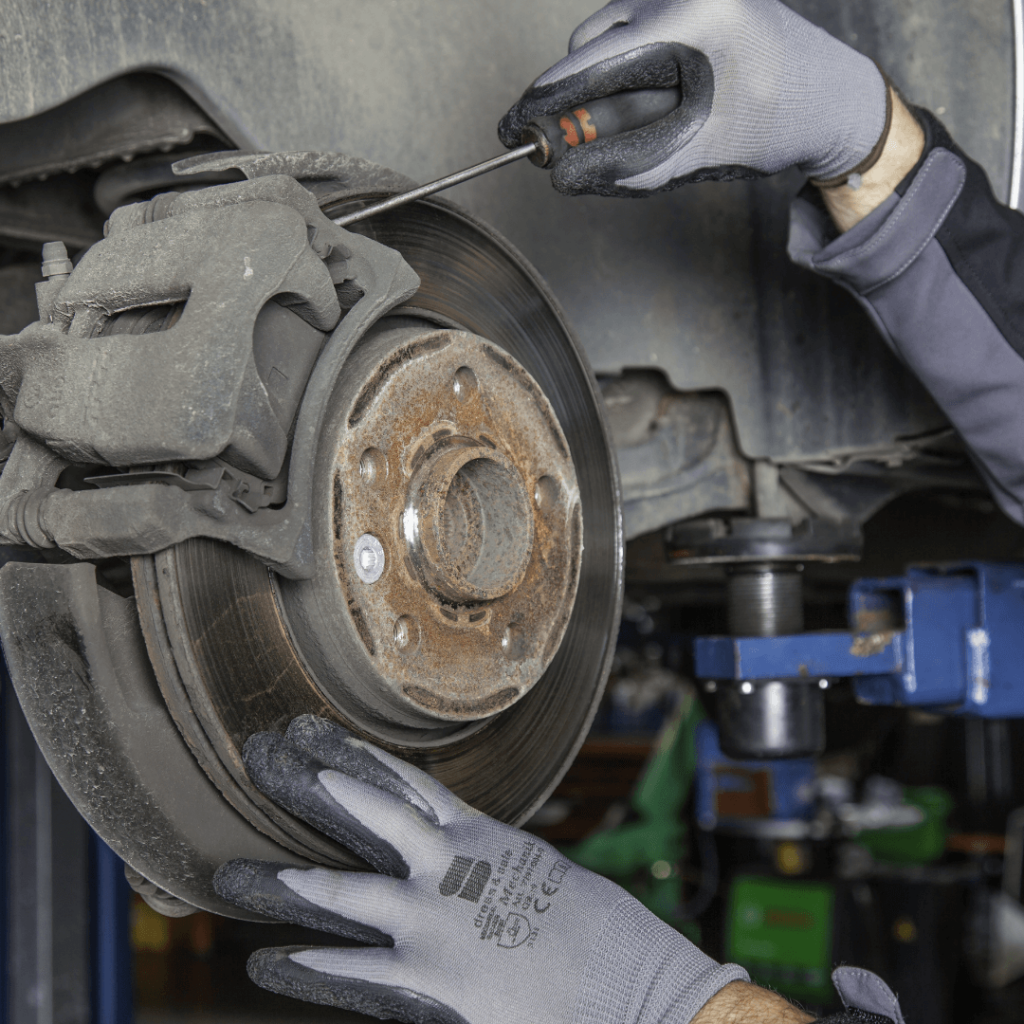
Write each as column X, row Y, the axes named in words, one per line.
column 469, row 524
column 454, row 527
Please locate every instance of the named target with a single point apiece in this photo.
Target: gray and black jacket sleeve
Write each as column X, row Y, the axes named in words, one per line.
column 939, row 267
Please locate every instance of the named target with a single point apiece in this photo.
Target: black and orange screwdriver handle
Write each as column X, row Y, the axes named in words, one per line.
column 545, row 141
column 556, row 134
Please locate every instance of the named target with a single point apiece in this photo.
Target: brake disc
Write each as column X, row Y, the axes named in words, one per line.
column 467, row 543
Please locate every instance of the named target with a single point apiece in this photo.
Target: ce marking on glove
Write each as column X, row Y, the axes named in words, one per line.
column 511, row 894
column 555, row 877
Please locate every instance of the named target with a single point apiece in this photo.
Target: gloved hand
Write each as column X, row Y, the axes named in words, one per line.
column 762, row 88
column 474, row 921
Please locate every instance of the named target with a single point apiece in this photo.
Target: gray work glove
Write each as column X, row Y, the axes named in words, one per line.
column 473, row 921
column 762, row 90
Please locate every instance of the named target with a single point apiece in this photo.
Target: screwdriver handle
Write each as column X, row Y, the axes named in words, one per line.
column 555, row 134
column 546, row 140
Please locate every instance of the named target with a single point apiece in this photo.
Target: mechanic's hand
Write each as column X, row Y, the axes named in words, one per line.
column 763, row 90
column 474, row 921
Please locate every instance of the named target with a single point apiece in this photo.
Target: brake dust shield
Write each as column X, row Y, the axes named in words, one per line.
column 467, row 553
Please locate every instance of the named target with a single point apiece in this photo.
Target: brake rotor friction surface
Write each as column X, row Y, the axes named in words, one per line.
column 233, row 683
column 456, row 523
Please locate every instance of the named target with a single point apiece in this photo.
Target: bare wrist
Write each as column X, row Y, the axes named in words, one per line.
column 743, row 1003
column 903, row 148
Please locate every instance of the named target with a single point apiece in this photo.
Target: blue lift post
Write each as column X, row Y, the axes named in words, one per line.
column 64, row 899
column 111, row 955
column 945, row 638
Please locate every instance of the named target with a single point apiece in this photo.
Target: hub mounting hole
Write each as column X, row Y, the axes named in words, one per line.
column 484, row 524
column 373, row 467
column 464, row 384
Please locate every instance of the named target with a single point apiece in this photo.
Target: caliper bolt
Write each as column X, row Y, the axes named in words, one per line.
column 55, row 260
column 369, row 558
column 56, row 269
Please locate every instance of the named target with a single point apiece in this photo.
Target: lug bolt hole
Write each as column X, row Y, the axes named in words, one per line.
column 545, row 494
column 407, row 632
column 513, row 642
column 464, row 384
column 373, row 467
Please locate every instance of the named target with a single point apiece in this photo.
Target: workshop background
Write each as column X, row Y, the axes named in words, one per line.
column 840, row 779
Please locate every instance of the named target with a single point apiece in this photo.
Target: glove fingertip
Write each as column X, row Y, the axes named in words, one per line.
column 263, row 966
column 290, row 776
column 276, row 971
column 236, row 879
column 256, row 885
column 313, row 732
column 510, row 128
column 260, row 750
column 279, row 768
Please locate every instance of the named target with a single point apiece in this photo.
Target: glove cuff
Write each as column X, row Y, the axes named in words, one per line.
column 643, row 971
column 873, row 157
column 854, row 1016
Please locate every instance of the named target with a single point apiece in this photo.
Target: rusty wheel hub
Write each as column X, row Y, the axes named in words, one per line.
column 467, row 567
column 454, row 523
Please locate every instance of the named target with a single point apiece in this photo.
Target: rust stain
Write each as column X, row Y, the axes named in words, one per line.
column 476, row 651
column 873, row 620
column 868, row 644
column 338, row 496
column 476, row 708
column 525, row 381
column 372, row 388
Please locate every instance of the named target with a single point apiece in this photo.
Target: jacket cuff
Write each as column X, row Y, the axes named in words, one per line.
column 886, row 242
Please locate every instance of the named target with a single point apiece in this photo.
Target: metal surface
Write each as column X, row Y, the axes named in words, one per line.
column 947, row 638
column 752, row 797
column 765, row 601
column 437, row 186
column 447, row 448
column 231, row 652
column 744, row 540
column 207, row 608
column 368, row 558
column 677, row 451
column 235, row 483
column 808, row 655
column 79, row 667
column 774, row 718
column 962, row 638
column 768, row 718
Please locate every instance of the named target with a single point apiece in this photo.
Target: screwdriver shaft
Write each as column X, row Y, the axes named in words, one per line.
column 437, row 186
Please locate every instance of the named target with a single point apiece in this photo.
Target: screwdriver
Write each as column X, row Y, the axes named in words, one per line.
column 545, row 140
